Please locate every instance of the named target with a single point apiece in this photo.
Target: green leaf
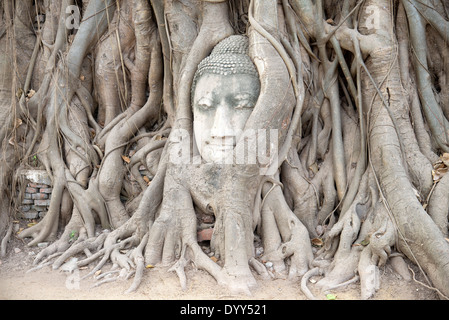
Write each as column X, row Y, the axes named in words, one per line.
column 331, row 296
column 364, row 243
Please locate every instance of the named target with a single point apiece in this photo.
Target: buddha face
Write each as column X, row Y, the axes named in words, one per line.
column 221, row 106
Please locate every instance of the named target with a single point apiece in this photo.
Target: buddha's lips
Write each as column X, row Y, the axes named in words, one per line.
column 225, row 143
column 221, row 146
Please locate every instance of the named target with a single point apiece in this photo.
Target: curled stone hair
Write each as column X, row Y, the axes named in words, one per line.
column 230, row 56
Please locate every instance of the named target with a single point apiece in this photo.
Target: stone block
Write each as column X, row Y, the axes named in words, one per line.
column 39, row 196
column 46, row 190
column 37, row 185
column 37, row 176
column 31, row 190
column 30, row 214
column 39, row 208
column 42, row 203
column 205, row 234
column 25, row 208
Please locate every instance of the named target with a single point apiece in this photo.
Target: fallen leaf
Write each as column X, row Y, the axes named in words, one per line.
column 364, row 242
column 82, row 78
column 214, row 259
column 314, row 168
column 149, row 266
column 331, row 296
column 19, row 93
column 30, row 94
column 445, row 159
column 126, row 159
column 147, row 180
column 439, row 173
column 31, row 224
column 97, row 273
column 317, row 242
column 17, row 123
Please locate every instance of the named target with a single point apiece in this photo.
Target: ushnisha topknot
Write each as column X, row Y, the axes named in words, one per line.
column 229, row 56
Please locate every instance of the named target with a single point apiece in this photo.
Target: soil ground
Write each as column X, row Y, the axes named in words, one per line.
column 158, row 284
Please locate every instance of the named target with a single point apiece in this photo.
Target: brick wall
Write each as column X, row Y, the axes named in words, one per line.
column 37, row 194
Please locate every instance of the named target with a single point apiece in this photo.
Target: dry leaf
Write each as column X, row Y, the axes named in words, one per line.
column 214, row 259
column 439, row 173
column 317, row 242
column 314, row 168
column 149, row 266
column 126, row 159
column 30, row 94
column 445, row 159
column 19, row 93
column 11, row 141
column 17, row 123
column 82, row 78
column 31, row 224
column 97, row 273
column 147, row 180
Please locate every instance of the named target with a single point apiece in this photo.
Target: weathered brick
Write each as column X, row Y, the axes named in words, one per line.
column 27, row 195
column 205, row 218
column 205, row 234
column 39, row 196
column 37, row 185
column 42, row 214
column 27, row 201
column 46, row 190
column 25, row 208
column 30, row 214
column 31, row 190
column 39, row 208
column 42, row 203
column 37, row 176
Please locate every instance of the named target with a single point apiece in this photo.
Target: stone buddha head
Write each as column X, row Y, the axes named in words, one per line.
column 225, row 90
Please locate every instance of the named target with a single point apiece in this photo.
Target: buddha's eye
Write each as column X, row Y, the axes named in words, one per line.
column 244, row 105
column 244, row 101
column 204, row 104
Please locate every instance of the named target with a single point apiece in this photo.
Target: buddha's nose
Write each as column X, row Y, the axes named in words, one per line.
column 222, row 126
